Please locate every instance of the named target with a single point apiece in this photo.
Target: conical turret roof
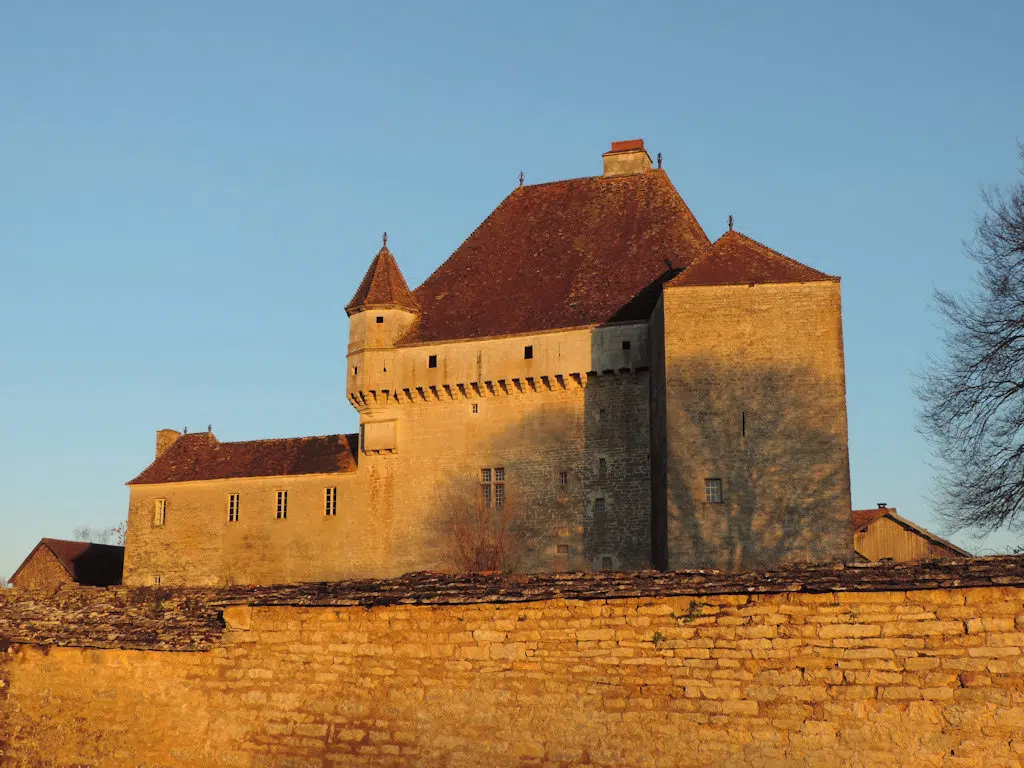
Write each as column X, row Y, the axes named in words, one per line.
column 383, row 286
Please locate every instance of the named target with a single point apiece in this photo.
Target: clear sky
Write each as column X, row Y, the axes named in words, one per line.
column 190, row 193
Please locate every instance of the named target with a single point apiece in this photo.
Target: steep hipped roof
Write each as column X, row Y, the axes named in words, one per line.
column 736, row 259
column 200, row 456
column 862, row 518
column 95, row 565
column 559, row 255
column 383, row 286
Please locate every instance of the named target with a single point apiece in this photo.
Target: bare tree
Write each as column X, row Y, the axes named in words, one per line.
column 480, row 530
column 973, row 396
column 115, row 534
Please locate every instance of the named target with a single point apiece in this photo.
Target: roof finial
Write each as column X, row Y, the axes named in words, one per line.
column 522, row 177
column 659, row 161
column 185, row 431
column 730, row 222
column 209, row 427
column 385, row 239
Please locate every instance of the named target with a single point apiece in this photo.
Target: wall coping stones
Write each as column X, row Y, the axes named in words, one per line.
column 194, row 618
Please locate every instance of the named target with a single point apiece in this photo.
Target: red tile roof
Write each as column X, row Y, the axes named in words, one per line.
column 862, row 518
column 564, row 254
column 383, row 286
column 736, row 259
column 200, row 456
column 95, row 565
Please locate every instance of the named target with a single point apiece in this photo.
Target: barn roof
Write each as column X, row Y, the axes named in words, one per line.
column 862, row 518
column 97, row 565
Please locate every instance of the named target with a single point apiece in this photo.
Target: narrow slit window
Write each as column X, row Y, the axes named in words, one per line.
column 713, row 490
column 330, row 502
column 233, row 507
column 602, row 467
column 432, row 361
column 160, row 513
column 563, row 478
column 528, row 352
column 282, row 505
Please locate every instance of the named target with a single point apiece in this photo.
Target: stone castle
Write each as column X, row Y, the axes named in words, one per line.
column 589, row 364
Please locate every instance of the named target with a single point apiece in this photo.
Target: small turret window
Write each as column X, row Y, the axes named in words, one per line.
column 380, row 319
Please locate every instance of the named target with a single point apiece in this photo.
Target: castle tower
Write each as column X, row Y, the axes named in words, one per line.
column 380, row 313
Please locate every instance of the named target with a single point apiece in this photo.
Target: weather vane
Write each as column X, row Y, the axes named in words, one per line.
column 659, row 161
column 521, row 178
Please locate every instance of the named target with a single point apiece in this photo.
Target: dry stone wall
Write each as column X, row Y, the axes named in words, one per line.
column 752, row 669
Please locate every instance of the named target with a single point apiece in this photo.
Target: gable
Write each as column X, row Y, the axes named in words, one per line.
column 735, row 259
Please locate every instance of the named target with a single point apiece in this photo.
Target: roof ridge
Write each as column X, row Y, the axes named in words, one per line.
column 771, row 250
column 282, row 439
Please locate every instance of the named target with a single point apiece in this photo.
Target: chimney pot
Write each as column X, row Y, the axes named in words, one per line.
column 626, row 158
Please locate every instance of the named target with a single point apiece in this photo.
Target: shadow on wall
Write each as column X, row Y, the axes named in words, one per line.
column 775, row 439
column 549, row 465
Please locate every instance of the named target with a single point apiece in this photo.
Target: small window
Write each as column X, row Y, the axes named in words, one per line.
column 355, row 370
column 156, row 580
column 528, row 352
column 492, row 487
column 476, row 408
column 602, row 416
column 563, row 549
column 606, row 563
column 602, row 467
column 563, row 478
column 233, row 507
column 380, row 319
column 160, row 513
column 432, row 361
column 713, row 490
column 599, row 506
column 282, row 505
column 625, row 345
column 330, row 502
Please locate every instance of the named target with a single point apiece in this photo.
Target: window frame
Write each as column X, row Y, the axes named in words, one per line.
column 234, row 507
column 492, row 487
column 331, row 501
column 282, row 505
column 713, row 486
column 159, row 512
column 432, row 361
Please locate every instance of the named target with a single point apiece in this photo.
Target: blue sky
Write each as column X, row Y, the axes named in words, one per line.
column 190, row 192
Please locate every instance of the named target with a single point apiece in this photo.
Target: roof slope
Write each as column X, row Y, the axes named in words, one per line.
column 736, row 259
column 96, row 565
column 559, row 255
column 383, row 285
column 862, row 518
column 200, row 456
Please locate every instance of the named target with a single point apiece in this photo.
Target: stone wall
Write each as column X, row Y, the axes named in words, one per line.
column 542, row 671
column 755, row 396
column 42, row 571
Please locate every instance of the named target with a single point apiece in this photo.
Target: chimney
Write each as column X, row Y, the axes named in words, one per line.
column 626, row 157
column 165, row 439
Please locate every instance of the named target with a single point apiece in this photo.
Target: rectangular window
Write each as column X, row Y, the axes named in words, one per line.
column 606, row 563
column 492, row 487
column 602, row 467
column 233, row 507
column 712, row 490
column 563, row 549
column 156, row 580
column 563, row 478
column 625, row 345
column 380, row 318
column 598, row 506
column 432, row 361
column 160, row 513
column 528, row 352
column 476, row 408
column 330, row 502
column 282, row 505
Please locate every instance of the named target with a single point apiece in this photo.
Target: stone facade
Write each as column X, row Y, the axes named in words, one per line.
column 604, row 416
column 42, row 570
column 891, row 676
